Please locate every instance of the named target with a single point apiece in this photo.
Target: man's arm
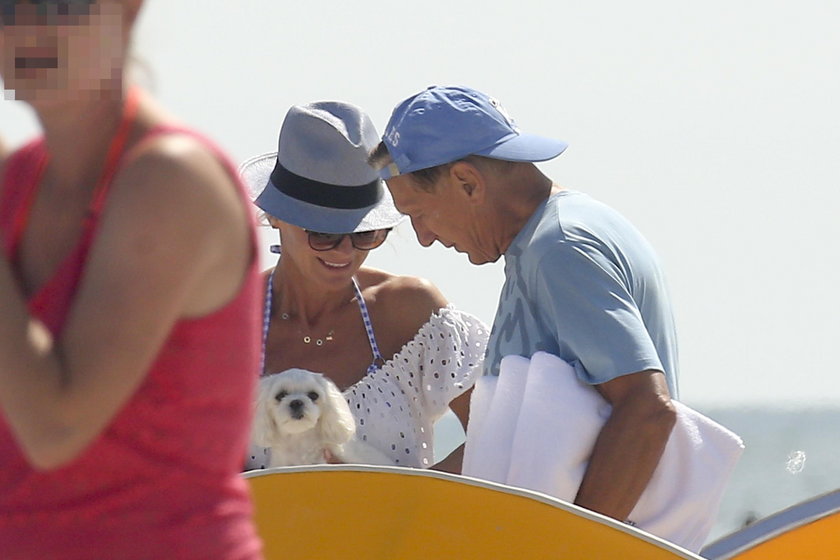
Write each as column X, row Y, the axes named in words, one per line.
column 629, row 445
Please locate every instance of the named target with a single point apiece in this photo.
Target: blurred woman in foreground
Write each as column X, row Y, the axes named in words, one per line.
column 125, row 394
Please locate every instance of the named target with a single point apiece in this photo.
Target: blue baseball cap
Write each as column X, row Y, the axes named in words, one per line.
column 442, row 124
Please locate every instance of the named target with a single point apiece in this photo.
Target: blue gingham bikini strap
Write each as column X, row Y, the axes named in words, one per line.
column 269, row 294
column 374, row 348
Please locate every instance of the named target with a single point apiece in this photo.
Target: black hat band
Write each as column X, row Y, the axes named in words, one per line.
column 325, row 194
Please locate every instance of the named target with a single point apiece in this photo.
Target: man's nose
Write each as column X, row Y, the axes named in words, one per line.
column 425, row 236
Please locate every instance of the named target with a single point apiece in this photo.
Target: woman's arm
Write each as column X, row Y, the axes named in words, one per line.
column 453, row 462
column 4, row 155
column 427, row 300
column 412, row 303
column 174, row 243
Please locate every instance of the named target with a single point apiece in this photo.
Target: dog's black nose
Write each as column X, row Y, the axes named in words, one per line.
column 296, row 409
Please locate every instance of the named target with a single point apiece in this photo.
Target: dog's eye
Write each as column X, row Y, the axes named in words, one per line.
column 313, row 396
column 281, row 395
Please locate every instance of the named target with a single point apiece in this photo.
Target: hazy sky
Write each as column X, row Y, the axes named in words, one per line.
column 713, row 126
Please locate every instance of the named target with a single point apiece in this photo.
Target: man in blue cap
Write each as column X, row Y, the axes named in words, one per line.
column 580, row 281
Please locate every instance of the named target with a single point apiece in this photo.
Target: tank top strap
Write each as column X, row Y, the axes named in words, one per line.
column 19, row 185
column 114, row 160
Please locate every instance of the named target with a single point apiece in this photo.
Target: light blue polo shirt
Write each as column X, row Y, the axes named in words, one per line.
column 582, row 283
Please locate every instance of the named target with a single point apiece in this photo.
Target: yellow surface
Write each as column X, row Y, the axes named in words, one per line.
column 819, row 539
column 382, row 512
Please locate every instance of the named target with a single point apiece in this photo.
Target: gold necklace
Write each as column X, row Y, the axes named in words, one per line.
column 285, row 316
column 308, row 339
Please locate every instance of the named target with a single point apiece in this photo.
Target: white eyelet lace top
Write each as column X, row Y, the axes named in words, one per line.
column 397, row 405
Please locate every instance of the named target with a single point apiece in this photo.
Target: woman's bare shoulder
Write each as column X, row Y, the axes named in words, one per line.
column 406, row 300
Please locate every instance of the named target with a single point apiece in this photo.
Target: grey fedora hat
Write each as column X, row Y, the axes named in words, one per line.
column 319, row 178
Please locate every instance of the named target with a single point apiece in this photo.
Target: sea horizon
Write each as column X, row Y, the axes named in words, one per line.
column 790, row 456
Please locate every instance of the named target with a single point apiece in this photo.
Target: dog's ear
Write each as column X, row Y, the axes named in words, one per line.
column 264, row 429
column 337, row 423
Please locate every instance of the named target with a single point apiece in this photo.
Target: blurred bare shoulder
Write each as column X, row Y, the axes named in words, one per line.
column 183, row 186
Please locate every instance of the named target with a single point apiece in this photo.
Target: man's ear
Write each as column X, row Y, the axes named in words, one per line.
column 470, row 180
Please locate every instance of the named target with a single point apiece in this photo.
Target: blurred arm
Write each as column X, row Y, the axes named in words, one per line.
column 59, row 394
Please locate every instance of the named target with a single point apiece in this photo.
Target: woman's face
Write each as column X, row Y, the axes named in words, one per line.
column 333, row 268
column 59, row 50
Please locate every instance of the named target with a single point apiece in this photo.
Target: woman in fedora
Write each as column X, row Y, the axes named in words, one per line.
column 118, row 367
column 399, row 352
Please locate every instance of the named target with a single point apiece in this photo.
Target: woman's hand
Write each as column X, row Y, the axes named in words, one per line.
column 331, row 459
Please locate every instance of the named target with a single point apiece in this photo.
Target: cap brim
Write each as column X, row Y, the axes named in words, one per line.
column 256, row 174
column 526, row 147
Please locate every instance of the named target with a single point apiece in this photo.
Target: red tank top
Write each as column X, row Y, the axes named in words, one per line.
column 162, row 480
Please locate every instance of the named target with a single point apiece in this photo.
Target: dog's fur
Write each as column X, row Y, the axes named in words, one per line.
column 303, row 418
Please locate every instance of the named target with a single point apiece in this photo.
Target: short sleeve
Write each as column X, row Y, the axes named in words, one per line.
column 585, row 298
column 449, row 353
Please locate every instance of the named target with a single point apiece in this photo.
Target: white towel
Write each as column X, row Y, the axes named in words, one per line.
column 488, row 454
column 557, row 420
column 556, row 428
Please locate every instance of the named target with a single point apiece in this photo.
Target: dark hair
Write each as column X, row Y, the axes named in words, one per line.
column 425, row 178
column 380, row 157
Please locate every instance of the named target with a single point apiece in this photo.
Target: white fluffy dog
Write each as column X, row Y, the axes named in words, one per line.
column 304, row 420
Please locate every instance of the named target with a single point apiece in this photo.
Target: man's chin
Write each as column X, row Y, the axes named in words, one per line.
column 481, row 259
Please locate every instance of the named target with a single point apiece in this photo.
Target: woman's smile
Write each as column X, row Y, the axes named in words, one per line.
column 335, row 265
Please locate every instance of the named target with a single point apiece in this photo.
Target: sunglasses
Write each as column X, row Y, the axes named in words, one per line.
column 361, row 240
column 44, row 12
